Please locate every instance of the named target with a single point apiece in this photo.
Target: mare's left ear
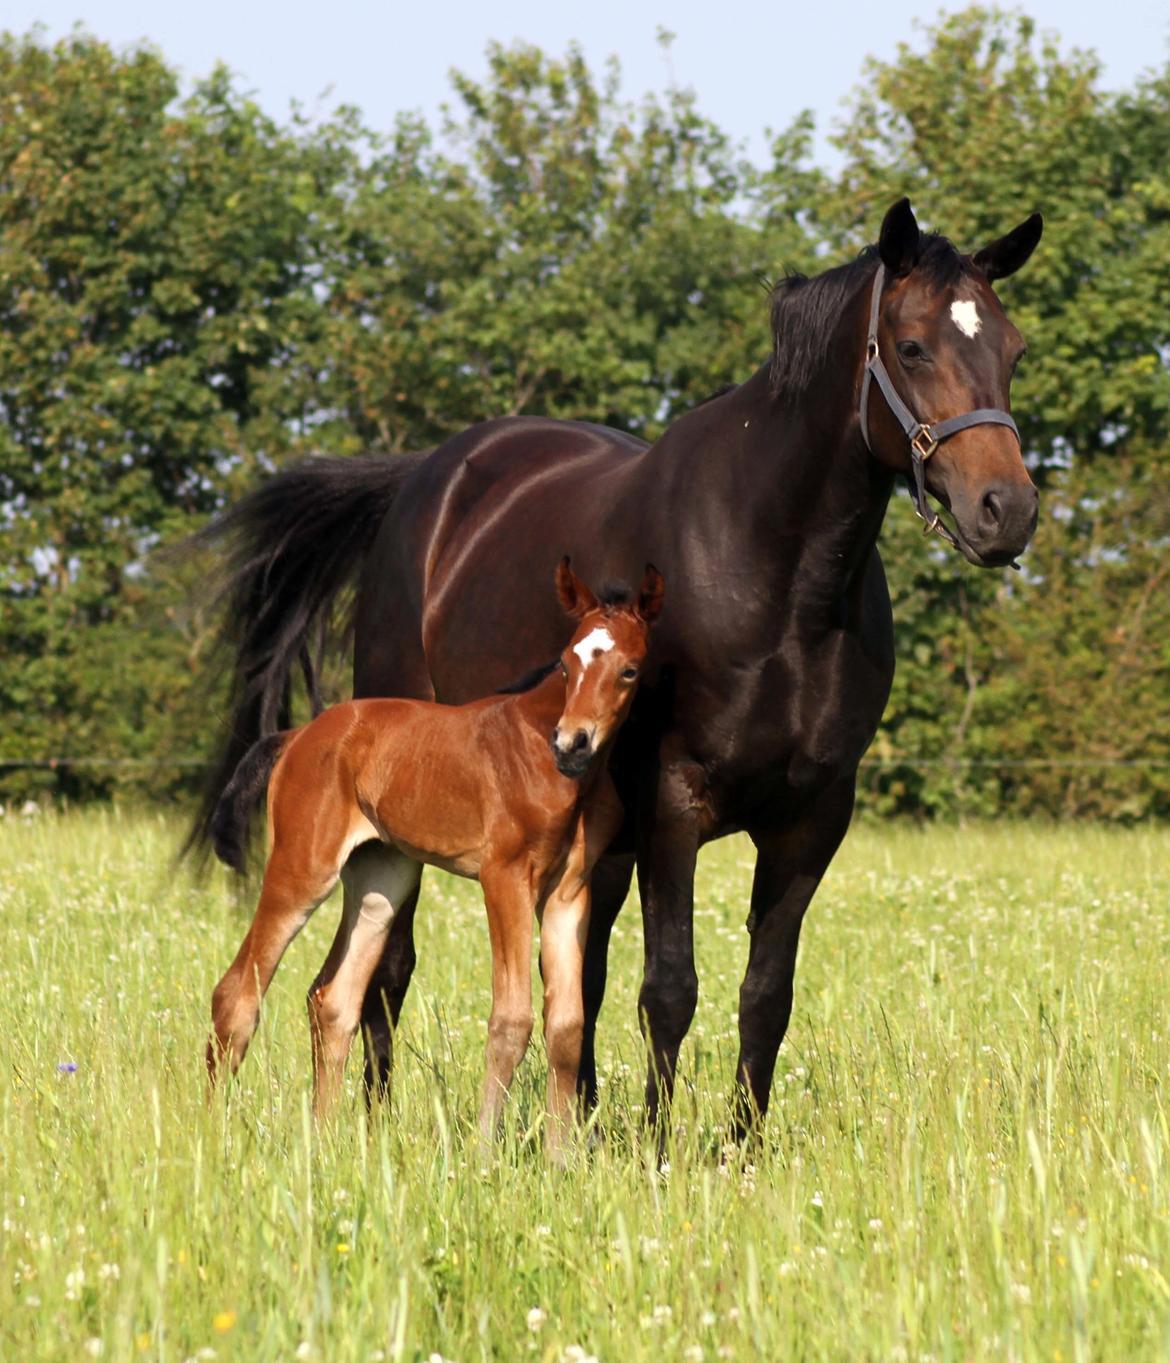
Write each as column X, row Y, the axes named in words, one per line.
column 650, row 594
column 1003, row 257
column 572, row 593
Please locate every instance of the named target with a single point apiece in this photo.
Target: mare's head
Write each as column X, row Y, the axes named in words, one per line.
column 949, row 350
column 602, row 663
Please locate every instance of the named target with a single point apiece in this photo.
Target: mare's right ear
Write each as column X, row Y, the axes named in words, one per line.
column 650, row 594
column 900, row 241
column 572, row 593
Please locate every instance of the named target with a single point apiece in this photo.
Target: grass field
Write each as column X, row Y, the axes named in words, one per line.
column 968, row 1155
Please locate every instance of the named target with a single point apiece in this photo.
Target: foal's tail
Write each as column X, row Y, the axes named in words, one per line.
column 231, row 820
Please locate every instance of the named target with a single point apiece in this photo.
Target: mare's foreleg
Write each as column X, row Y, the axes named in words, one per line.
column 789, row 867
column 668, row 848
column 608, row 890
column 509, row 898
column 377, row 882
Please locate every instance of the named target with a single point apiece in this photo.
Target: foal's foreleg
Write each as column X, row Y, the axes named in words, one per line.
column 287, row 899
column 377, row 881
column 564, row 927
column 508, row 896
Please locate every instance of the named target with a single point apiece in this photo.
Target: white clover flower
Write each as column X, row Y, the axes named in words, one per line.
column 94, row 1347
column 536, row 1317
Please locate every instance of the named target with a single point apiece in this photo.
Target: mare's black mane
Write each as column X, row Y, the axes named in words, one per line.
column 613, row 594
column 805, row 312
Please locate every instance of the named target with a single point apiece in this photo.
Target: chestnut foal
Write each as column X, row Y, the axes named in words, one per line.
column 511, row 790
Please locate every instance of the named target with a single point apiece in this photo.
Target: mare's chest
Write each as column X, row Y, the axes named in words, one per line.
column 770, row 733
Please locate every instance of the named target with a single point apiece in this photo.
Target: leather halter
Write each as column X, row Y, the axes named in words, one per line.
column 924, row 437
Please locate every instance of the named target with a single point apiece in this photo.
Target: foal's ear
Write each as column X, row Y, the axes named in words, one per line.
column 1003, row 257
column 650, row 594
column 572, row 593
column 900, row 242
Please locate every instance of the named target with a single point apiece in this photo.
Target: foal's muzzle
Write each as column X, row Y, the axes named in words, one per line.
column 572, row 750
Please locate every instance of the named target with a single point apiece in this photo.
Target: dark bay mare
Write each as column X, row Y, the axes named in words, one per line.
column 772, row 662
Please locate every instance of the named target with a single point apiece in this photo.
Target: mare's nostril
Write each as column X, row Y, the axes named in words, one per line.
column 993, row 509
column 581, row 741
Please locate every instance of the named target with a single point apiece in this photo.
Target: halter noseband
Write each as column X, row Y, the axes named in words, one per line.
column 924, row 437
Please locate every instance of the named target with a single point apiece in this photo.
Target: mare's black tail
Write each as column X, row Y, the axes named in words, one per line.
column 294, row 547
column 231, row 820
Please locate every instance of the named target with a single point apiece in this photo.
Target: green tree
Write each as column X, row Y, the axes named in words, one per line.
column 154, row 265
column 564, row 252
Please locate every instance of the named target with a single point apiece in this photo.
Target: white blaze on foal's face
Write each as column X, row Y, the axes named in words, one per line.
column 965, row 316
column 597, row 641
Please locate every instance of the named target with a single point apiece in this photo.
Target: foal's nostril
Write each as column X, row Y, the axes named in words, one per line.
column 581, row 741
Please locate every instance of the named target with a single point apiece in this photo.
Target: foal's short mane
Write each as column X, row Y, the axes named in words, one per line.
column 805, row 312
column 531, row 679
column 612, row 596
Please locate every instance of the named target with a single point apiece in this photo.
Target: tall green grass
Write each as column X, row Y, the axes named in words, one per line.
column 967, row 1156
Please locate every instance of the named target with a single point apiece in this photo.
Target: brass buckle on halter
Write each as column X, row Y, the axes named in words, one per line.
column 923, row 443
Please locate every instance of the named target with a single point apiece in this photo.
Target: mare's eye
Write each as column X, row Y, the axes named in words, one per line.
column 629, row 674
column 911, row 350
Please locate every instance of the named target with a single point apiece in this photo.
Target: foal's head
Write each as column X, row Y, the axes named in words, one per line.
column 601, row 664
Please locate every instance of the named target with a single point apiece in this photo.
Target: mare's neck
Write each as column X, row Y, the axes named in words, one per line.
column 785, row 489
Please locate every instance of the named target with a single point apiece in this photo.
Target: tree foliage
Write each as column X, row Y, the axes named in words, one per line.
column 192, row 293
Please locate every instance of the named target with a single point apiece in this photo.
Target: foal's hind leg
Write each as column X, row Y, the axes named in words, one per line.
column 377, row 881
column 288, row 897
column 385, row 995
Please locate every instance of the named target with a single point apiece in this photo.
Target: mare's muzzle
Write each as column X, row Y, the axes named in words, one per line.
column 996, row 522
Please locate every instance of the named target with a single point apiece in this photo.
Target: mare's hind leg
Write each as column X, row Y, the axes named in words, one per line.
column 288, row 896
column 378, row 880
column 508, row 897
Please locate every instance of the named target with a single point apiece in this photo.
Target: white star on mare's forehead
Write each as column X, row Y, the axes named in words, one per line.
column 965, row 316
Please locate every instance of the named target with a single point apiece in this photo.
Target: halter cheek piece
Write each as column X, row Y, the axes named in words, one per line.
column 924, row 438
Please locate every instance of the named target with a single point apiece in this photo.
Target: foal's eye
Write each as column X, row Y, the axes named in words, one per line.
column 911, row 350
column 629, row 674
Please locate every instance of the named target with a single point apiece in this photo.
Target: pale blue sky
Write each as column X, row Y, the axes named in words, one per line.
column 753, row 66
